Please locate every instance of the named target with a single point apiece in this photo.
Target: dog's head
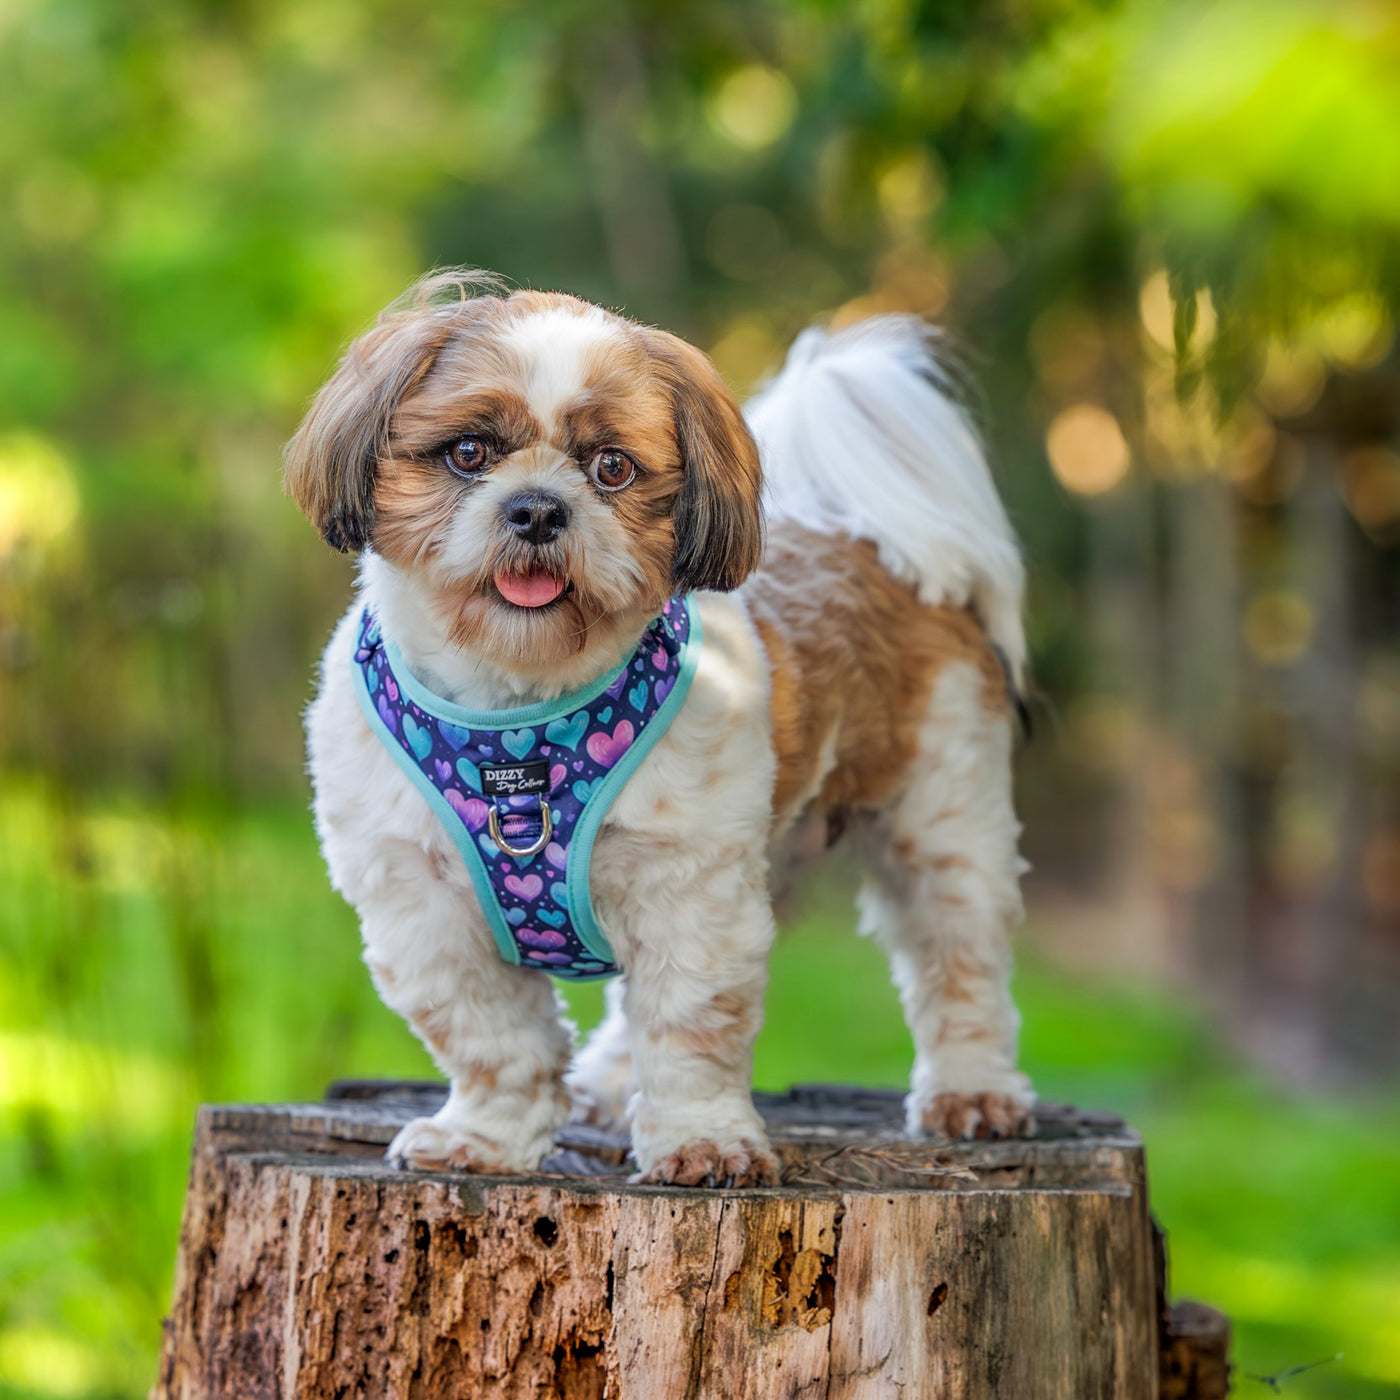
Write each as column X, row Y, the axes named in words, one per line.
column 550, row 472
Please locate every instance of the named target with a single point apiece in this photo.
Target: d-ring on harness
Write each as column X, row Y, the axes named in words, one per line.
column 522, row 792
column 493, row 825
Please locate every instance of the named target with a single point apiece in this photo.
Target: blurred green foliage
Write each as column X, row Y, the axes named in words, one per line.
column 1164, row 236
column 207, row 200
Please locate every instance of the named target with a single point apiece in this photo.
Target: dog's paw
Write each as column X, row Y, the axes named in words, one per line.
column 705, row 1163
column 965, row 1116
column 429, row 1145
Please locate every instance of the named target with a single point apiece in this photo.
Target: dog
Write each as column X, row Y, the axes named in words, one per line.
column 548, row 500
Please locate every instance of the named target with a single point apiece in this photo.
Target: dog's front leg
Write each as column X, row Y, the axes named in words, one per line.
column 694, row 1004
column 494, row 1030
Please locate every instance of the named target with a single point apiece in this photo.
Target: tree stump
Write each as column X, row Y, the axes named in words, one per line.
column 881, row 1267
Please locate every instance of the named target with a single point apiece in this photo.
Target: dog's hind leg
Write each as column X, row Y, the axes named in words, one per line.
column 940, row 895
column 601, row 1080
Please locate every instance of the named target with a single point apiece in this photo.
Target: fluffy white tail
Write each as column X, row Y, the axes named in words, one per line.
column 859, row 434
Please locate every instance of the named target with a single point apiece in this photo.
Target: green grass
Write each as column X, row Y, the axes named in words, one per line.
column 151, row 960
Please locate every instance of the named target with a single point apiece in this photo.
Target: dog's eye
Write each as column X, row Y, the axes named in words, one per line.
column 466, row 456
column 612, row 470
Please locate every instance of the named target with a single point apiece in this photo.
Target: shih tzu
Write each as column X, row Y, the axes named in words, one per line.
column 619, row 662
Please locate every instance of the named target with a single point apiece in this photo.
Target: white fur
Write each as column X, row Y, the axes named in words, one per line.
column 557, row 346
column 859, row 436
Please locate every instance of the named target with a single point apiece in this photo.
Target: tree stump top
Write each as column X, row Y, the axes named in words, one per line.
column 825, row 1136
column 880, row 1267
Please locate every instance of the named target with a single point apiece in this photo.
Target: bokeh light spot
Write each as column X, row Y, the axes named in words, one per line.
column 1088, row 452
column 1356, row 332
column 38, row 492
column 748, row 350
column 44, row 1361
column 753, row 107
column 908, row 190
column 1155, row 308
column 1371, row 478
column 1292, row 380
column 1158, row 313
column 1252, row 446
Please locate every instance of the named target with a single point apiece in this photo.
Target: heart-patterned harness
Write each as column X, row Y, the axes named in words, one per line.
column 522, row 792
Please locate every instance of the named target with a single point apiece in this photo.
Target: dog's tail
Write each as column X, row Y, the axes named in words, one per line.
column 860, row 434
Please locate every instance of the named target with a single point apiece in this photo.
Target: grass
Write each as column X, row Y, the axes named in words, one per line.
column 152, row 959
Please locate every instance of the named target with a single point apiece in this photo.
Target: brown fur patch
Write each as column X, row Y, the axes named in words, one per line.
column 718, row 519
column 440, row 863
column 950, row 863
column 333, row 460
column 854, row 657
column 543, row 1076
column 460, row 1159
column 962, row 1116
column 482, row 1074
column 435, row 1027
column 623, row 404
column 457, row 400
column 959, row 979
column 722, row 1031
column 703, row 1164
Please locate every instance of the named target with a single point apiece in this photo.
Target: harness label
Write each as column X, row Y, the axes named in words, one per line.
column 515, row 779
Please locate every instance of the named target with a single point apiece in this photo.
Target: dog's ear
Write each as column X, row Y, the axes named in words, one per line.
column 718, row 515
column 331, row 460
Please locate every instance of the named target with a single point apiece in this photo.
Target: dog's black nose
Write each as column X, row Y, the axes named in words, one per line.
column 536, row 516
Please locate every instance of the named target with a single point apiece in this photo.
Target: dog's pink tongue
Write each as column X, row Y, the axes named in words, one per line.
column 532, row 590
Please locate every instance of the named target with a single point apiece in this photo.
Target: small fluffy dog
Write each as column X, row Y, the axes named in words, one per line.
column 530, row 481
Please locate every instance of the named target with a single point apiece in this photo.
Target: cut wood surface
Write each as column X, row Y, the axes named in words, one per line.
column 880, row 1268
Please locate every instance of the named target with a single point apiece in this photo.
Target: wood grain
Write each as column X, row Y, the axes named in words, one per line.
column 881, row 1268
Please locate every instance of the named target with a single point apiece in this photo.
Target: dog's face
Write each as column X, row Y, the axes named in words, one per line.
column 550, row 472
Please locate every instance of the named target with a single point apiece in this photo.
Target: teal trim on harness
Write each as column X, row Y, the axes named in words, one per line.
column 538, row 713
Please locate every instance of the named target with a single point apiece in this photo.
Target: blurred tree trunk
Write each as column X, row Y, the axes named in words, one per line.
column 1305, row 960
column 639, row 226
column 1123, row 628
column 1207, row 870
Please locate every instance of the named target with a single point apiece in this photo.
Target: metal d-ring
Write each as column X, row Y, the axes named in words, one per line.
column 493, row 825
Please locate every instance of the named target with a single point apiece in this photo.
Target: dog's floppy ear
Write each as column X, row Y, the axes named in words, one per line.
column 331, row 460
column 718, row 516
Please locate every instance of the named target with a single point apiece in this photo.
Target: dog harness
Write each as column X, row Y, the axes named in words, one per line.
column 522, row 792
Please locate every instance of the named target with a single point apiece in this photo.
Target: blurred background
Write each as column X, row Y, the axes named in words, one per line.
column 1165, row 241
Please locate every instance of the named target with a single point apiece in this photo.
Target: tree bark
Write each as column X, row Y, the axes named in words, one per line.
column 881, row 1267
